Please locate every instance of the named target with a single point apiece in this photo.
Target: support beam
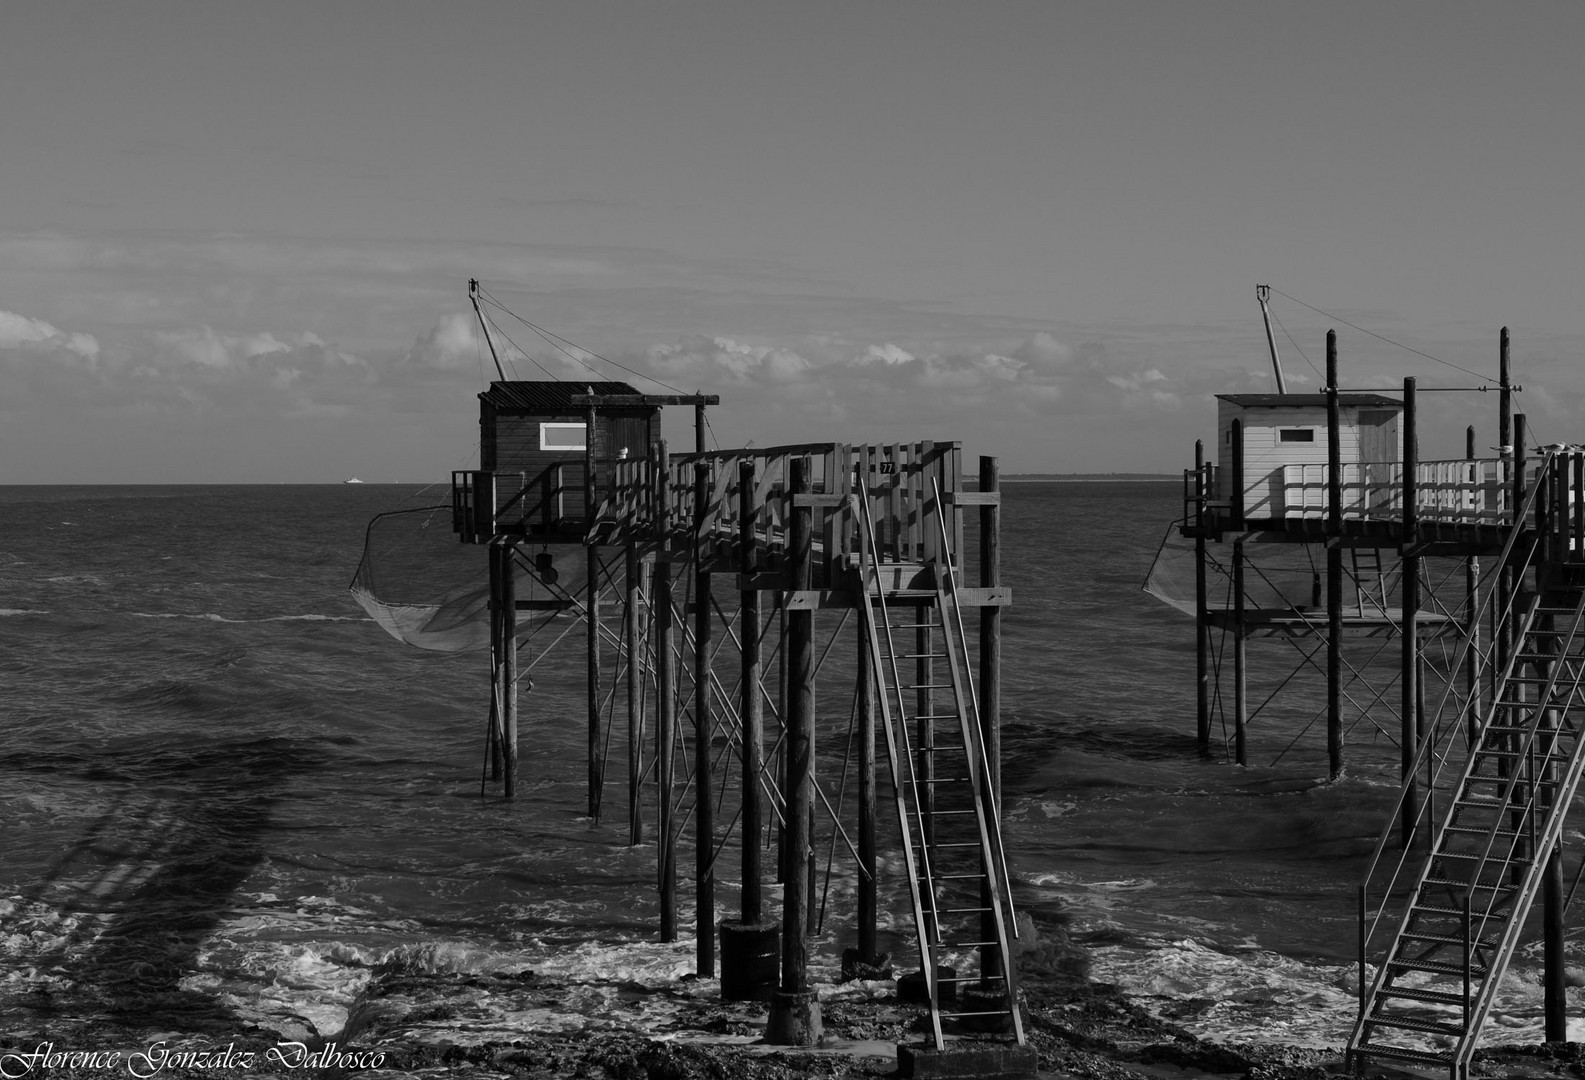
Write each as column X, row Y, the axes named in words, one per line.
column 990, row 703
column 795, row 1008
column 632, row 635
column 1240, row 661
column 753, row 707
column 868, row 899
column 1202, row 624
column 703, row 729
column 665, row 712
column 506, row 603
column 1409, row 629
column 1334, row 565
column 596, row 723
column 1472, row 628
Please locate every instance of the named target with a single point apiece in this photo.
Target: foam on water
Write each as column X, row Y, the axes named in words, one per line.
column 214, row 761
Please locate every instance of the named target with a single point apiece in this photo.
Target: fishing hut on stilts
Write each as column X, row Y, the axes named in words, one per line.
column 715, row 590
column 1475, row 570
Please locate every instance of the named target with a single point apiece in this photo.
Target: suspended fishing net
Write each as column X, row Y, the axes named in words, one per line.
column 421, row 584
column 1281, row 577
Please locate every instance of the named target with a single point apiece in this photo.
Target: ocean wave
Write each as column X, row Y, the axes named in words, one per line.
column 210, row 616
column 5, row 612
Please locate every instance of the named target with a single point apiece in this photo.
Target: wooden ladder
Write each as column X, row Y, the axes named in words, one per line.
column 1432, row 995
column 943, row 791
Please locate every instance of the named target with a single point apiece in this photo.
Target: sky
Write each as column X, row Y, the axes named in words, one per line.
column 236, row 238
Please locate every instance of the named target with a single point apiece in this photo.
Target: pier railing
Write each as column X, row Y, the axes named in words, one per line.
column 1467, row 491
column 547, row 502
column 1472, row 491
column 720, row 500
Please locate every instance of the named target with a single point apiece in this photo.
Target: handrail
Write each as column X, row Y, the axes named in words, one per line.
column 974, row 715
column 868, row 567
column 1539, row 842
column 1368, row 924
column 1456, row 490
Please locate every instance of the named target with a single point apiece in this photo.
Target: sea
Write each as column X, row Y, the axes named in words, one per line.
column 229, row 798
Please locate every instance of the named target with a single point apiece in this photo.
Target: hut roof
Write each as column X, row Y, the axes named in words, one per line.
column 1288, row 401
column 547, row 398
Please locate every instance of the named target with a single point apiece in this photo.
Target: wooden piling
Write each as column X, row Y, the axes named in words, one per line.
column 1472, row 628
column 506, row 563
column 703, row 730
column 1409, row 624
column 990, row 692
column 596, row 741
column 753, row 702
column 1334, row 565
column 868, row 898
column 1240, row 661
column 795, row 1010
column 1202, row 614
column 632, row 635
column 596, row 722
column 665, row 703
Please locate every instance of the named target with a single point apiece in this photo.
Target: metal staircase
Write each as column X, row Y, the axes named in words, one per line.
column 944, row 792
column 1435, row 987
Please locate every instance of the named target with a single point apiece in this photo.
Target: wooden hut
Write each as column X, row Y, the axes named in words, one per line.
column 534, row 439
column 1273, row 450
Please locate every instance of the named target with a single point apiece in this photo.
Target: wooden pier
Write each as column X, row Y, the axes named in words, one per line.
column 1369, row 546
column 718, row 590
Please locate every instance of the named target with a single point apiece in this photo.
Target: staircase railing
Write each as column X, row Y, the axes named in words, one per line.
column 1434, row 753
column 904, row 780
column 1559, row 514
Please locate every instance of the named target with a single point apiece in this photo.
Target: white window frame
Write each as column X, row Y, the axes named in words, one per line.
column 558, row 435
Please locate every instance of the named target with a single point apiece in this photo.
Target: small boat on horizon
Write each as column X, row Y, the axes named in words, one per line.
column 352, row 480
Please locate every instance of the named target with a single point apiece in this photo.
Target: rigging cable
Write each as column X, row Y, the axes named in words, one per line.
column 1380, row 337
column 559, row 342
column 1295, row 344
column 523, row 352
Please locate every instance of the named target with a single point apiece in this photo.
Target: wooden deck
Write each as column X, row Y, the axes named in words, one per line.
column 730, row 509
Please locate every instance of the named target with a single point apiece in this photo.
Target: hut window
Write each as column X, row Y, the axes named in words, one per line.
column 561, row 437
column 1296, row 434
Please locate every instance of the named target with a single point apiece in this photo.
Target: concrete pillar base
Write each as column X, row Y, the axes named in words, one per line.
column 976, row 999
column 794, row 1019
column 855, row 965
column 911, row 987
column 983, row 1061
column 750, row 960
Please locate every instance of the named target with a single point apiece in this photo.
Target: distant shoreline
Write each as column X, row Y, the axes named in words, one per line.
column 1088, row 478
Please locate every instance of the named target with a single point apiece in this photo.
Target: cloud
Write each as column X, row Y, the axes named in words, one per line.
column 451, row 344
column 21, row 332
column 887, row 354
column 698, row 358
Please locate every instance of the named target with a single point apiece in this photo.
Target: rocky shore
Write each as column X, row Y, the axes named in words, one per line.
column 450, row 1025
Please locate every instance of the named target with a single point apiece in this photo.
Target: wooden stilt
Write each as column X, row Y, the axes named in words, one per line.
column 1472, row 628
column 1240, row 664
column 782, row 771
column 868, row 907
column 990, row 691
column 509, row 718
column 596, row 753
column 703, row 730
column 596, row 749
column 795, row 1010
column 753, row 705
column 632, row 636
column 665, row 705
column 1553, row 910
column 1334, row 564
column 1409, row 627
column 1202, row 622
column 494, row 732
